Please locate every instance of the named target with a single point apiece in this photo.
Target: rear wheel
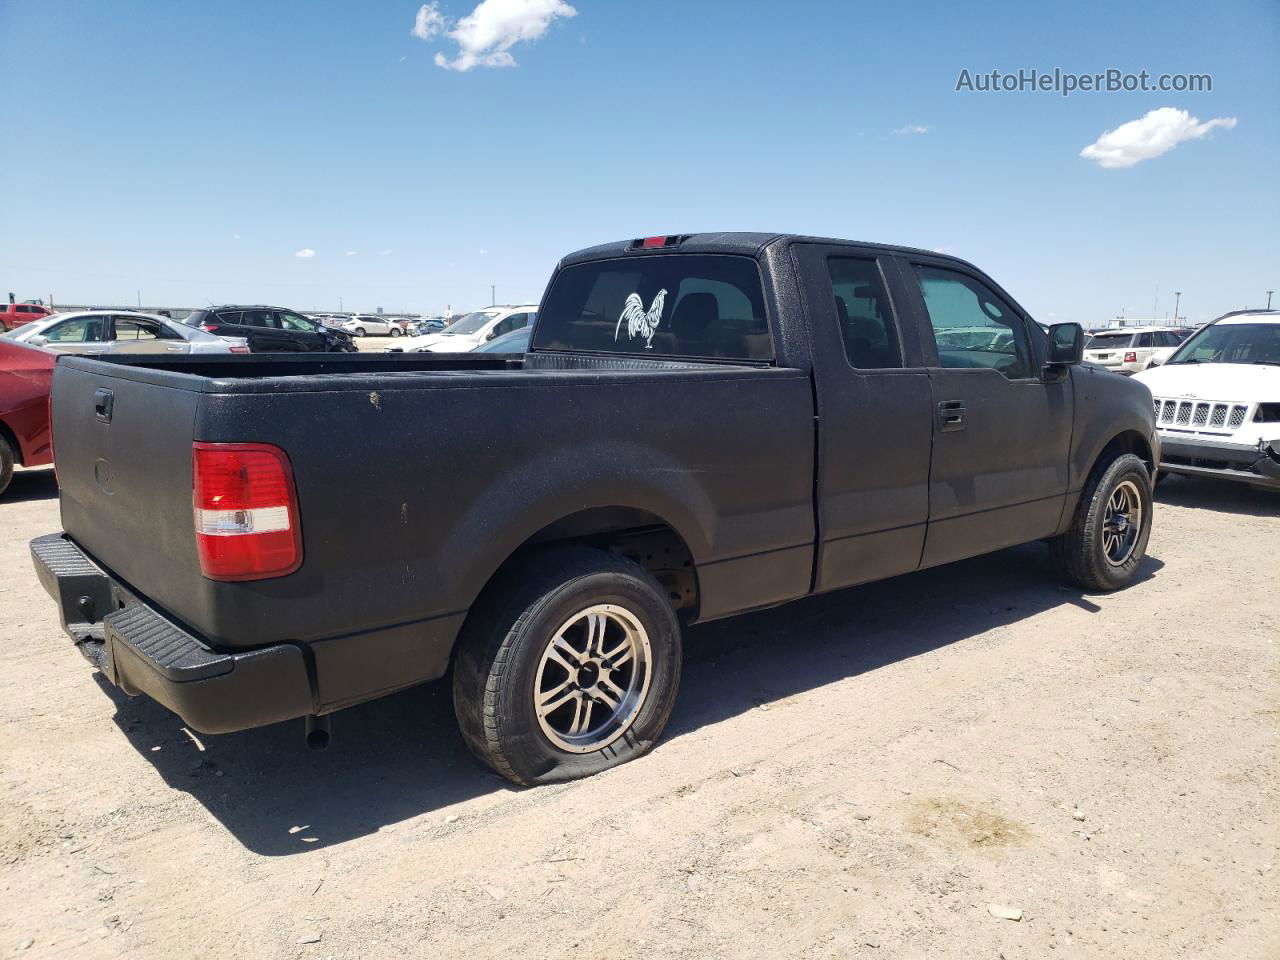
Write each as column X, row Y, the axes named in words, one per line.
column 395, row 331
column 1108, row 536
column 567, row 667
column 360, row 331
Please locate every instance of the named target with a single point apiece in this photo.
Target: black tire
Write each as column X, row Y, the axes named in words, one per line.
column 395, row 331
column 503, row 642
column 1078, row 555
column 6, row 463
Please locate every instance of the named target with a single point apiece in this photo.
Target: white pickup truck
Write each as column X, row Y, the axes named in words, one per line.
column 1217, row 401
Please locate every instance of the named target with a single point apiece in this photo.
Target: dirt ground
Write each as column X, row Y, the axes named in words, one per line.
column 878, row 773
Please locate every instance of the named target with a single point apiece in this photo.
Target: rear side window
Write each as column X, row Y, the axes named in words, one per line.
column 862, row 312
column 259, row 318
column 77, row 330
column 666, row 306
column 232, row 317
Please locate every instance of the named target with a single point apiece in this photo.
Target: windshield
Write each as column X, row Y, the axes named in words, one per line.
column 471, row 323
column 1108, row 341
column 1232, row 343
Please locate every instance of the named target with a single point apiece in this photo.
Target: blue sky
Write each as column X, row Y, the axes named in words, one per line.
column 190, row 151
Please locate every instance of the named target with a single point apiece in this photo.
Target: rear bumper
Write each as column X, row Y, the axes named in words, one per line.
column 1194, row 456
column 141, row 651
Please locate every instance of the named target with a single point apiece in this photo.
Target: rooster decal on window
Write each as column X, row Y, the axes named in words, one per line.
column 639, row 322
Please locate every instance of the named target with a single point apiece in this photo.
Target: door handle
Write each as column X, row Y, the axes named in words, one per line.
column 951, row 415
column 103, row 401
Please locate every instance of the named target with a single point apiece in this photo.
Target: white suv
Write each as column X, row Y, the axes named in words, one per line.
column 1131, row 349
column 1217, row 401
column 372, row 325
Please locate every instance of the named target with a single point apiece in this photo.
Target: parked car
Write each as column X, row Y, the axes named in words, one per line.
column 516, row 341
column 371, row 325
column 1129, row 350
column 120, row 332
column 271, row 329
column 14, row 315
column 427, row 325
column 25, row 374
column 1217, row 401
column 703, row 425
column 468, row 332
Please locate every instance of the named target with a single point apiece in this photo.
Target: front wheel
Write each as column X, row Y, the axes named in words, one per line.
column 568, row 666
column 359, row 331
column 1107, row 540
column 395, row 331
column 7, row 459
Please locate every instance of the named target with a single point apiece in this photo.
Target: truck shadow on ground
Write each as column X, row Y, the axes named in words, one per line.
column 401, row 757
column 34, row 484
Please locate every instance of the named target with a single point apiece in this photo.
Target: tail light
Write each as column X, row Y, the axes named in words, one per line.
column 239, row 349
column 209, row 327
column 246, row 511
column 1131, row 357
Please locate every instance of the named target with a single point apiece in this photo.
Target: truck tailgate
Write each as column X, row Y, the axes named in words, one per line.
column 123, row 448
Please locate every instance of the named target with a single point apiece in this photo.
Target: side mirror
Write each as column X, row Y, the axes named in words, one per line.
column 1157, row 361
column 1066, row 347
column 39, row 340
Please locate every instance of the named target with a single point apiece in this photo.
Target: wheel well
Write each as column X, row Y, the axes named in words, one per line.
column 638, row 535
column 14, row 445
column 1128, row 442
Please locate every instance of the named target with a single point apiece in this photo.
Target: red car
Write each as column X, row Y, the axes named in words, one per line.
column 25, row 375
column 16, row 314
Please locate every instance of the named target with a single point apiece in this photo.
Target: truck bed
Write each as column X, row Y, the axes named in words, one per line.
column 417, row 474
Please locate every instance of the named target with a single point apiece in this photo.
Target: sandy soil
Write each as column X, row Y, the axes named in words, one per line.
column 877, row 773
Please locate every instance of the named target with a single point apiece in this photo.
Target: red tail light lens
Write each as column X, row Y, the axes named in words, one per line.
column 239, row 349
column 1130, row 357
column 208, row 327
column 246, row 511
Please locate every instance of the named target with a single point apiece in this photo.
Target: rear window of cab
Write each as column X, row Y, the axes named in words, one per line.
column 682, row 305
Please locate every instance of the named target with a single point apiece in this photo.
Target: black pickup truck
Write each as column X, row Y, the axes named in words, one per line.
column 704, row 424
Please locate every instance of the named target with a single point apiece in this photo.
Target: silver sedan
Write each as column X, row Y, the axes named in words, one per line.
column 118, row 331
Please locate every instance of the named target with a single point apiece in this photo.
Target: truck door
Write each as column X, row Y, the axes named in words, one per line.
column 874, row 416
column 1001, row 436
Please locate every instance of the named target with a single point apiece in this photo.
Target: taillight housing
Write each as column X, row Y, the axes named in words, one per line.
column 246, row 511
column 208, row 327
column 240, row 350
column 1131, row 357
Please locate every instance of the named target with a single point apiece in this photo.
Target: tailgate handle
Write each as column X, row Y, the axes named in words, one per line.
column 103, row 401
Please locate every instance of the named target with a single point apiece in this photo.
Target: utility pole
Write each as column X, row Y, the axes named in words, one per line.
column 1269, row 293
column 1177, row 298
column 493, row 295
column 139, row 298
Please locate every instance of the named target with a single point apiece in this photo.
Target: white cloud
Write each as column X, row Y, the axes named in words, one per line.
column 486, row 35
column 429, row 22
column 350, row 253
column 1155, row 133
column 306, row 253
column 909, row 130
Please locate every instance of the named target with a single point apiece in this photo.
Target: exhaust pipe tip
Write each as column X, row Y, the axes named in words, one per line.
column 318, row 734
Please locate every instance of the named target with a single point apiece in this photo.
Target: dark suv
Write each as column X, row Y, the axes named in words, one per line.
column 271, row 329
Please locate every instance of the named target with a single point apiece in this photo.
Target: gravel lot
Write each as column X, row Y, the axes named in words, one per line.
column 875, row 773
